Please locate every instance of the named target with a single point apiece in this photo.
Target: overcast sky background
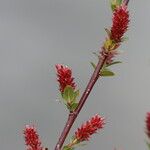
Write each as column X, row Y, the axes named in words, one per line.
column 37, row 34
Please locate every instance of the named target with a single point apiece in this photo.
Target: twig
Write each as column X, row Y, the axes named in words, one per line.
column 126, row 2
column 73, row 115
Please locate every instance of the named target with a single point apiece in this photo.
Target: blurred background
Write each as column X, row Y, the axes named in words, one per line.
column 37, row 34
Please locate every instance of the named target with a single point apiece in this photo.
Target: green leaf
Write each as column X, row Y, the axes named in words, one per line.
column 93, row 65
column 76, row 94
column 148, row 144
column 119, row 2
column 97, row 55
column 108, row 32
column 70, row 97
column 80, row 144
column 115, row 3
column 113, row 7
column 67, row 148
column 73, row 106
column 68, row 93
column 106, row 73
column 113, row 63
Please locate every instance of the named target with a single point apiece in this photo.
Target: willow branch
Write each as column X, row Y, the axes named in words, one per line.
column 73, row 115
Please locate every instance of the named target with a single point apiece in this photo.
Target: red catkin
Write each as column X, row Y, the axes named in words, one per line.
column 64, row 77
column 120, row 23
column 32, row 138
column 90, row 127
column 147, row 121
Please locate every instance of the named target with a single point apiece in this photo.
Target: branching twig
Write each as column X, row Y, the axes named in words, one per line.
column 73, row 115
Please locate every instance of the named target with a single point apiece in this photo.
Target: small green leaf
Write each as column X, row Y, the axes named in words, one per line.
column 106, row 73
column 81, row 144
column 93, row 65
column 70, row 97
column 119, row 2
column 68, row 93
column 113, row 63
column 115, row 3
column 67, row 148
column 76, row 94
column 73, row 106
column 97, row 55
column 108, row 32
column 109, row 44
column 148, row 144
column 113, row 7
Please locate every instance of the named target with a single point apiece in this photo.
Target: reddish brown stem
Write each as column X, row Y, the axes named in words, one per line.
column 73, row 115
column 126, row 2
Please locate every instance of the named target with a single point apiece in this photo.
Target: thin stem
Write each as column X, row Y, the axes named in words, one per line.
column 91, row 83
column 73, row 115
column 126, row 2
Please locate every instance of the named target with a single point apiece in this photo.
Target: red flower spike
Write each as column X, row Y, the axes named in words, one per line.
column 148, row 124
column 120, row 23
column 64, row 77
column 90, row 127
column 32, row 138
